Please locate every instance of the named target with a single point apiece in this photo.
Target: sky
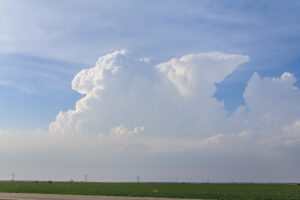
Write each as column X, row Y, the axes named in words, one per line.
column 164, row 90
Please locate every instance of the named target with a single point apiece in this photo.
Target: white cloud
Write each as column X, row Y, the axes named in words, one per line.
column 271, row 102
column 120, row 90
column 196, row 71
column 90, row 82
column 122, row 131
column 90, row 79
column 134, row 114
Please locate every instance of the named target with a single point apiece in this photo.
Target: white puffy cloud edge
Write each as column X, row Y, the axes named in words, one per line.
column 163, row 122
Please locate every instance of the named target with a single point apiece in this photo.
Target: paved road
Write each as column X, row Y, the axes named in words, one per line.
column 21, row 196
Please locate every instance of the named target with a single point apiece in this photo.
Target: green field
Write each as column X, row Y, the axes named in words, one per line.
column 204, row 191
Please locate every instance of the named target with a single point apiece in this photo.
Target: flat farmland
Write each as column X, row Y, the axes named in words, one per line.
column 170, row 190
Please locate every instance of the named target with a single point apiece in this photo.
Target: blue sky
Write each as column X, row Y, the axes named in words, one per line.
column 58, row 39
column 45, row 44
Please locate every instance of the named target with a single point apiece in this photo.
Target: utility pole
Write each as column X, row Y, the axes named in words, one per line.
column 138, row 179
column 86, row 177
column 207, row 180
column 13, row 177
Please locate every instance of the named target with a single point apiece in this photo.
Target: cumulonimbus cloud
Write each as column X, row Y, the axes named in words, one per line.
column 175, row 100
column 179, row 94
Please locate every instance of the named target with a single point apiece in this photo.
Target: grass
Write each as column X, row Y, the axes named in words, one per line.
column 200, row 191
